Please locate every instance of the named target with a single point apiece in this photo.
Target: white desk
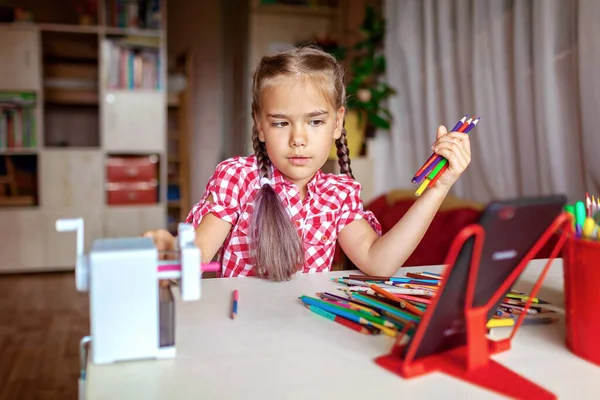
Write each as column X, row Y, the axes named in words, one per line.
column 277, row 349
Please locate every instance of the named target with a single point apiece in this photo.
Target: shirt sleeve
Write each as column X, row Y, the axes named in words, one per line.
column 224, row 188
column 352, row 209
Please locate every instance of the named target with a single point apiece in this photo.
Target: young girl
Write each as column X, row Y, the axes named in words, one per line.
column 274, row 214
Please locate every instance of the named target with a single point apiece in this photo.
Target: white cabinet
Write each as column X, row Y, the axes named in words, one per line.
column 32, row 244
column 29, row 240
column 10, row 241
column 72, row 179
column 133, row 120
column 21, row 241
column 132, row 221
column 19, row 59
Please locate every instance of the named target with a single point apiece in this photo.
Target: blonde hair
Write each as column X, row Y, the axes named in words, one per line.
column 278, row 251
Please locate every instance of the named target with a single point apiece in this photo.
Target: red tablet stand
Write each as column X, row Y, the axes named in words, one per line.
column 472, row 362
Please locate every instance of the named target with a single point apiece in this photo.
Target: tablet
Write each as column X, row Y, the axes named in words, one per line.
column 512, row 227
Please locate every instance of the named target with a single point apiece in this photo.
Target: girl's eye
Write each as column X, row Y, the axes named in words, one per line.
column 279, row 124
column 316, row 122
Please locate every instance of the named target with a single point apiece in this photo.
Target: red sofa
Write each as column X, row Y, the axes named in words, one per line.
column 454, row 214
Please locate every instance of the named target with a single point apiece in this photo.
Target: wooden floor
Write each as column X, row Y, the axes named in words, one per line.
column 42, row 320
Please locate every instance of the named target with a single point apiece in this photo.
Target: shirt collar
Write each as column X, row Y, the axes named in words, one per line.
column 279, row 179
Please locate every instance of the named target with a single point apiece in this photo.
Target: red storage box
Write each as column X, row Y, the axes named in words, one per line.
column 581, row 268
column 131, row 169
column 127, row 193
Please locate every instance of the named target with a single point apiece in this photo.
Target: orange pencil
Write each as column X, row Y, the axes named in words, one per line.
column 403, row 304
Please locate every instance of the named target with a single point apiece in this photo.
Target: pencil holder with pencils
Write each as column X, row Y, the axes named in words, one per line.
column 581, row 268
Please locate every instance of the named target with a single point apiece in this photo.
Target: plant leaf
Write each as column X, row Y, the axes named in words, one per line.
column 379, row 122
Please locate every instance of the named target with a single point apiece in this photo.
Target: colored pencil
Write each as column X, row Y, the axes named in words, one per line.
column 353, row 315
column 408, row 317
column 442, row 165
column 434, row 282
column 414, row 299
column 431, row 158
column 507, row 322
column 352, row 306
column 340, row 320
column 429, row 176
column 234, row 304
column 403, row 304
column 432, row 165
column 368, row 278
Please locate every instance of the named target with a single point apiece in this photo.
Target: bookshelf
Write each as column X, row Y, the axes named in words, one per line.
column 83, row 126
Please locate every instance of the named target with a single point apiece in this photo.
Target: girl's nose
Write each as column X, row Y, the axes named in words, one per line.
column 298, row 137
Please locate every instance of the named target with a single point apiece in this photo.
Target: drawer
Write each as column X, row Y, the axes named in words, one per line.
column 131, row 169
column 129, row 193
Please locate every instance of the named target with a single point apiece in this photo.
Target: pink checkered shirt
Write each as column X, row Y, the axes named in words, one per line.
column 331, row 203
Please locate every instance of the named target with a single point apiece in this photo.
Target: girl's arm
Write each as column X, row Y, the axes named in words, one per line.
column 210, row 235
column 384, row 255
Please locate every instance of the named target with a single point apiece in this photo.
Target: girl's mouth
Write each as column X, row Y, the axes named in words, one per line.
column 299, row 160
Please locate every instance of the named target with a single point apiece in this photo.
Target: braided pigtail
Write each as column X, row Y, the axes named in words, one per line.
column 276, row 247
column 343, row 154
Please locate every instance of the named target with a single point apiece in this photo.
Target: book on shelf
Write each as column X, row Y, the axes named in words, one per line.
column 132, row 64
column 17, row 120
column 135, row 14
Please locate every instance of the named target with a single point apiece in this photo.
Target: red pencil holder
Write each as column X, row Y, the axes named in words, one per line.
column 581, row 268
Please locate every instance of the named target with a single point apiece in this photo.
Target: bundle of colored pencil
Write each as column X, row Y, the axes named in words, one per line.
column 586, row 217
column 394, row 306
column 436, row 165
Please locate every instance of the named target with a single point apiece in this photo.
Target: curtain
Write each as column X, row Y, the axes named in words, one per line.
column 529, row 68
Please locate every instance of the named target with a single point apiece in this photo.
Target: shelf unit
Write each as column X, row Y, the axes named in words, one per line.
column 179, row 138
column 99, row 101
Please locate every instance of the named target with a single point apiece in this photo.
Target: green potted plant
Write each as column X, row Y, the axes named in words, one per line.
column 365, row 90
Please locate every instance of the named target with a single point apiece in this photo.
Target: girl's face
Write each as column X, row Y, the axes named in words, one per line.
column 298, row 126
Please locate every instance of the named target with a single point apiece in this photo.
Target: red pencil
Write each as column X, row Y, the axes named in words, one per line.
column 440, row 173
column 355, row 326
column 414, row 298
column 352, row 325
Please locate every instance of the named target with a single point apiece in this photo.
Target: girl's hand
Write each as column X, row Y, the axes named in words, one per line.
column 164, row 242
column 456, row 148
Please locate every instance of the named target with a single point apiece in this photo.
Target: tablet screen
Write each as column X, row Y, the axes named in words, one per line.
column 512, row 227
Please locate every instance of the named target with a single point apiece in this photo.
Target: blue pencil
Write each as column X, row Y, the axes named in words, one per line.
column 234, row 305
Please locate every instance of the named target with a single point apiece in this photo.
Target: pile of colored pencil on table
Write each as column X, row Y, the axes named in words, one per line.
column 436, row 165
column 395, row 306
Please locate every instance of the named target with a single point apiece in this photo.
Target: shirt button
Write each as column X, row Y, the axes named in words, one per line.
column 298, row 223
column 324, row 238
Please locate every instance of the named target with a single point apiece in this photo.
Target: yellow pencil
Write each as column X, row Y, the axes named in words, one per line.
column 500, row 322
column 423, row 186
